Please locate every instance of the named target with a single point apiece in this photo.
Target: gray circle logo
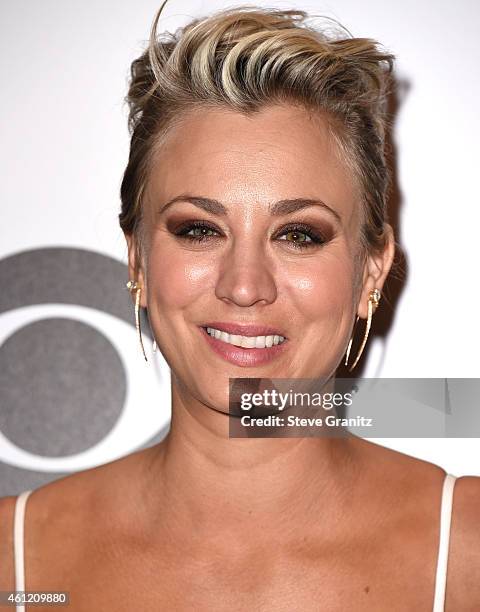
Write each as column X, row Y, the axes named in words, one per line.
column 63, row 381
column 63, row 387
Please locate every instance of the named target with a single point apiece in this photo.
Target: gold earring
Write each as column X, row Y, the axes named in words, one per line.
column 134, row 286
column 373, row 301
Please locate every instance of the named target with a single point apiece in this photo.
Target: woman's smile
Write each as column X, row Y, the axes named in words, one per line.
column 244, row 345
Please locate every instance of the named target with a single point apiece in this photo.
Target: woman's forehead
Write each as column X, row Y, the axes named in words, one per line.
column 281, row 152
column 275, row 129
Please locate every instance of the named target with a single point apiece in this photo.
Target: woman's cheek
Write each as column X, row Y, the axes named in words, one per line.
column 178, row 280
column 320, row 290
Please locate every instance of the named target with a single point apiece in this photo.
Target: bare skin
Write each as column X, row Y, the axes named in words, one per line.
column 92, row 535
column 206, row 522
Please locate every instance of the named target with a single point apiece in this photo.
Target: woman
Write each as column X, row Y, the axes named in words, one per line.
column 253, row 205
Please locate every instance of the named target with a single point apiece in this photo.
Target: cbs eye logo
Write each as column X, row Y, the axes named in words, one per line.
column 75, row 389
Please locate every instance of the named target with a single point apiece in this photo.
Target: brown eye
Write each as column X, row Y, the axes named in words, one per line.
column 300, row 236
column 297, row 236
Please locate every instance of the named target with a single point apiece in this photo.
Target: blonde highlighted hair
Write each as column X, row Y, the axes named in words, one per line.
column 247, row 58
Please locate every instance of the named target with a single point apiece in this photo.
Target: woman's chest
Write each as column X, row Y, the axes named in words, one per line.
column 350, row 579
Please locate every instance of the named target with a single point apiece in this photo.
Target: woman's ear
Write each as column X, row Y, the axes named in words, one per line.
column 375, row 272
column 136, row 270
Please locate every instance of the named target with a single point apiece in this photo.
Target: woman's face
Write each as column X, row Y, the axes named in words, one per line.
column 262, row 240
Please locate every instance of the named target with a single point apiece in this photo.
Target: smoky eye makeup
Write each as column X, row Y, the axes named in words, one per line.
column 295, row 234
column 304, row 234
column 196, row 230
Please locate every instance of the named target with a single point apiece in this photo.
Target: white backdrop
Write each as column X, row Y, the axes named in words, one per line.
column 64, row 68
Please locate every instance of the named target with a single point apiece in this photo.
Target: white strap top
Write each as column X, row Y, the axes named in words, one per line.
column 18, row 525
column 442, row 560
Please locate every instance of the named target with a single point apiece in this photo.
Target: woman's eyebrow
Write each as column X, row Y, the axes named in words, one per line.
column 285, row 207
column 282, row 207
column 208, row 204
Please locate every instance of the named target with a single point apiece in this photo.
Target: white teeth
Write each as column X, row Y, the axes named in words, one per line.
column 245, row 341
column 260, row 342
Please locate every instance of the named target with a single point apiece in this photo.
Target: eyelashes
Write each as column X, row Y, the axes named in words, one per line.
column 201, row 231
column 296, row 235
column 301, row 236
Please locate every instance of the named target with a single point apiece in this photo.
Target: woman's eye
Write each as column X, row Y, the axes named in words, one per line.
column 196, row 232
column 300, row 237
column 296, row 236
column 200, row 231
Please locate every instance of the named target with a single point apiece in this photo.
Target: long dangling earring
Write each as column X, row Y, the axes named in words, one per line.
column 373, row 301
column 134, row 286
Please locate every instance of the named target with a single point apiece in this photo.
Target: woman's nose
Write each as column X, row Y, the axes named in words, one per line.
column 246, row 276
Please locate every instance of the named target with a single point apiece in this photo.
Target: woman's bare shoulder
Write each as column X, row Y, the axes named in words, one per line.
column 464, row 554
column 7, row 508
column 62, row 517
column 81, row 491
column 51, row 511
column 422, row 482
column 399, row 468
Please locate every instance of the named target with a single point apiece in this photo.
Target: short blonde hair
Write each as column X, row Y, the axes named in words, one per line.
column 246, row 58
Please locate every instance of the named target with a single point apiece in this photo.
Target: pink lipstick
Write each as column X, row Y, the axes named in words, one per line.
column 245, row 345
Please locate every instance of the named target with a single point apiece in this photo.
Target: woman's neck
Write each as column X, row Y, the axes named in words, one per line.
column 205, row 480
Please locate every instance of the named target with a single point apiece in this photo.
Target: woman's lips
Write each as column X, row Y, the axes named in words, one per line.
column 244, row 357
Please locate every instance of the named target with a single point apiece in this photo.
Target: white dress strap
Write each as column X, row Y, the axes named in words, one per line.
column 442, row 562
column 18, row 546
